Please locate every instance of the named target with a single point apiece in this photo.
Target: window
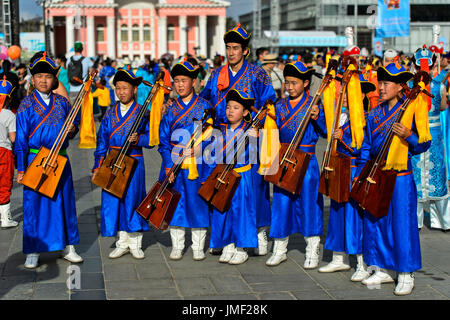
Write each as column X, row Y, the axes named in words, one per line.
column 124, row 33
column 135, row 33
column 330, row 10
column 100, row 33
column 146, row 32
column 170, row 32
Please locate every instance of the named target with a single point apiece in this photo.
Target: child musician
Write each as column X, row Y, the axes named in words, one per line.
column 48, row 224
column 176, row 128
column 301, row 213
column 236, row 228
column 119, row 216
column 345, row 224
column 392, row 243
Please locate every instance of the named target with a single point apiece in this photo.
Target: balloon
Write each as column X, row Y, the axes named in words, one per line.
column 3, row 53
column 14, row 52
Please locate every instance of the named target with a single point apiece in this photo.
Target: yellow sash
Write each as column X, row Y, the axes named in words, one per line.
column 88, row 138
column 398, row 152
column 156, row 114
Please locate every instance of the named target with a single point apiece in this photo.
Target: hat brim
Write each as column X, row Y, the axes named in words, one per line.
column 121, row 75
column 44, row 67
column 292, row 71
column 180, row 70
column 236, row 37
column 401, row 77
column 367, row 86
column 233, row 95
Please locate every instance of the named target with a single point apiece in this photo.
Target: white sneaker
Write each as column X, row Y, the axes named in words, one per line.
column 312, row 252
column 359, row 275
column 176, row 254
column 239, row 257
column 118, row 252
column 70, row 254
column 198, row 243
column 405, row 284
column 262, row 242
column 5, row 216
column 177, row 235
column 135, row 245
column 279, row 252
column 336, row 264
column 227, row 253
column 32, row 261
column 198, row 255
column 377, row 278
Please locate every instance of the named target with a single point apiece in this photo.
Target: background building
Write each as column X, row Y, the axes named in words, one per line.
column 136, row 29
column 335, row 15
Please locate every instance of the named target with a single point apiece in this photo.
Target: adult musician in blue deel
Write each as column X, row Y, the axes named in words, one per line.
column 239, row 74
column 391, row 243
column 48, row 224
column 301, row 213
column 119, row 216
column 177, row 126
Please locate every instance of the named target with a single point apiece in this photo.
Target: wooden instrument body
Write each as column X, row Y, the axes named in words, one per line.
column 116, row 184
column 44, row 180
column 220, row 197
column 291, row 172
column 159, row 212
column 335, row 179
column 374, row 197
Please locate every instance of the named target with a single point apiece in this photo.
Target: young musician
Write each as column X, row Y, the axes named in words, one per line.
column 236, row 228
column 345, row 224
column 392, row 242
column 48, row 224
column 7, row 138
column 176, row 128
column 301, row 213
column 239, row 74
column 118, row 216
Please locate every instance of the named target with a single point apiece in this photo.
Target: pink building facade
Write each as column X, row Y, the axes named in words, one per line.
column 138, row 29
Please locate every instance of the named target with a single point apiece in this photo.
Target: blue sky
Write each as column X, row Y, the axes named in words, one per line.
column 29, row 8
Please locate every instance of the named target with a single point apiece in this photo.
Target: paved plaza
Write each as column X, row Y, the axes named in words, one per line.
column 158, row 278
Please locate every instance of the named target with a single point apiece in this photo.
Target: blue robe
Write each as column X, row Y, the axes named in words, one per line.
column 392, row 242
column 48, row 224
column 429, row 167
column 143, row 90
column 120, row 214
column 301, row 213
column 345, row 222
column 238, row 225
column 258, row 85
column 445, row 126
column 107, row 73
column 176, row 128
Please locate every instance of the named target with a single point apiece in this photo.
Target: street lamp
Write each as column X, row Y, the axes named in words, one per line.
column 47, row 28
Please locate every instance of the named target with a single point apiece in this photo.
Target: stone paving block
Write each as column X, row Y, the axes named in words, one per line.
column 52, row 273
column 336, row 280
column 90, row 265
column 92, row 281
column 88, row 295
column 278, row 282
column 317, row 294
column 51, row 291
column 153, row 271
column 242, row 297
column 196, row 286
column 229, row 284
column 443, row 289
column 276, row 296
column 288, row 266
column 16, row 287
column 116, row 272
column 141, row 289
